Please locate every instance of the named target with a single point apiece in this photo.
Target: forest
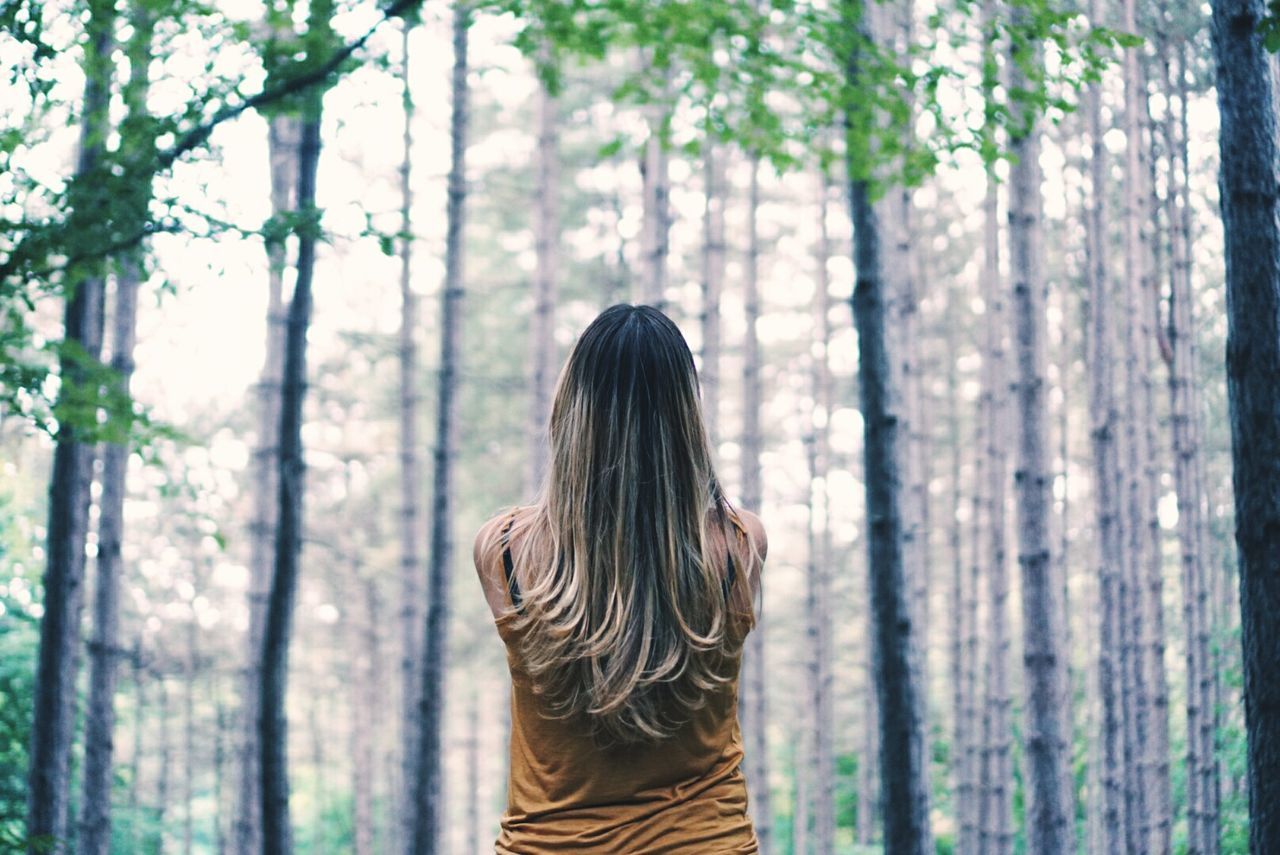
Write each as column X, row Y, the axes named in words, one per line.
column 985, row 302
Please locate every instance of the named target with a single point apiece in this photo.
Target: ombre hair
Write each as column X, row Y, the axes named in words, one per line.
column 630, row 620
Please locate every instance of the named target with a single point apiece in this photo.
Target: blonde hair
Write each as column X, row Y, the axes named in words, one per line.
column 629, row 616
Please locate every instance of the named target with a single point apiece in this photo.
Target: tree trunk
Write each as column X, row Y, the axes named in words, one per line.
column 1049, row 814
column 104, row 652
column 1103, row 434
column 713, row 261
column 655, row 230
column 188, row 736
column 751, row 706
column 282, row 146
column 1187, row 431
column 903, row 757
column 818, row 589
column 135, row 758
column 1252, row 236
column 410, row 468
column 277, row 836
column 429, row 795
column 542, row 356
column 58, row 659
column 364, row 688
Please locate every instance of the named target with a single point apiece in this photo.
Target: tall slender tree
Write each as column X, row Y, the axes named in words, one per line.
column 283, row 132
column 1105, row 425
column 752, row 703
column 903, row 759
column 818, row 577
column 53, row 722
column 542, row 345
column 1252, row 236
column 277, row 834
column 713, row 261
column 411, row 532
column 429, row 801
column 104, row 653
column 1050, row 829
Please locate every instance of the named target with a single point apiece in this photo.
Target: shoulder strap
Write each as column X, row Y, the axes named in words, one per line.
column 508, row 565
column 729, row 578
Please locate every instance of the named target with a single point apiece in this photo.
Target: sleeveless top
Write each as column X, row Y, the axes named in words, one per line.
column 683, row 796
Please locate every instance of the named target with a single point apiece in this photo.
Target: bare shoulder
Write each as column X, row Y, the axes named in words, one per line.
column 485, row 554
column 755, row 530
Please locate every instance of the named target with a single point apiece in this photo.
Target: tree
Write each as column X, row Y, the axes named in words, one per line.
column 53, row 724
column 751, row 707
column 277, row 836
column 410, row 528
column 429, row 779
column 1103, row 430
column 95, row 817
column 903, row 759
column 1248, row 195
column 1048, row 711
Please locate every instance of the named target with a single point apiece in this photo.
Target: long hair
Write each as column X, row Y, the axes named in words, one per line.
column 628, row 617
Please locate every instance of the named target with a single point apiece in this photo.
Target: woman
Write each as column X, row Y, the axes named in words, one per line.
column 623, row 596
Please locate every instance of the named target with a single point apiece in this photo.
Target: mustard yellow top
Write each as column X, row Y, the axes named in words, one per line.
column 683, row 796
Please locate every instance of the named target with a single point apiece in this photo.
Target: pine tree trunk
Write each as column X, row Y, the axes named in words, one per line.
column 410, row 468
column 903, row 757
column 1185, row 423
column 713, row 261
column 1048, row 713
column 1103, row 433
column 166, row 765
column 655, row 231
column 997, row 776
column 282, row 145
column 189, row 763
column 542, row 355
column 58, row 659
column 1146, row 539
column 752, row 702
column 95, row 809
column 819, row 606
column 277, row 836
column 1252, row 237
column 363, row 690
column 429, row 795
column 135, row 759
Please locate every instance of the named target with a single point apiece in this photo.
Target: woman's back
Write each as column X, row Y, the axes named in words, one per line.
column 567, row 793
column 623, row 595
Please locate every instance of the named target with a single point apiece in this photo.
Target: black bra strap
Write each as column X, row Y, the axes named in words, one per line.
column 509, row 567
column 727, row 584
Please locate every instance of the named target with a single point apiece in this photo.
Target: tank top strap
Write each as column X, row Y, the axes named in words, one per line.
column 509, row 567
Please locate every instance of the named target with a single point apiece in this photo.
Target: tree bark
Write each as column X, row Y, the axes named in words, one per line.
column 1187, row 431
column 542, row 345
column 655, row 231
column 277, row 836
column 58, row 657
column 1248, row 195
column 818, row 588
column 1048, row 712
column 713, row 261
column 104, row 652
column 752, row 708
column 903, row 757
column 997, row 765
column 411, row 534
column 429, row 795
column 282, row 145
column 1103, row 433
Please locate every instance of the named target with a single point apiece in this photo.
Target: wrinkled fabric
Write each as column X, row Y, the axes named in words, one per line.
column 683, row 796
